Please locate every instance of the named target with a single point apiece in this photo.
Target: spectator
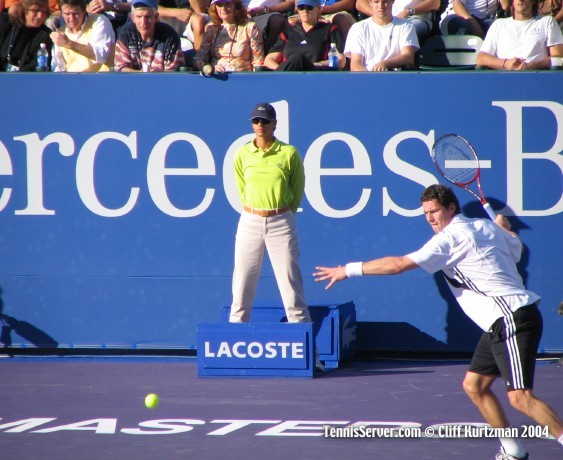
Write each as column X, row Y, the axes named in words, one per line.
column 338, row 13
column 22, row 34
column 270, row 16
column 470, row 17
column 552, row 8
column 9, row 6
column 187, row 17
column 86, row 43
column 417, row 12
column 381, row 42
column 231, row 43
column 523, row 42
column 145, row 44
column 305, row 45
column 116, row 11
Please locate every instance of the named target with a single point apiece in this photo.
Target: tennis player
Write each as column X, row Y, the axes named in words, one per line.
column 478, row 259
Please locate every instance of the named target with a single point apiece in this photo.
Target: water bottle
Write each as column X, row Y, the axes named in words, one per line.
column 333, row 57
column 42, row 58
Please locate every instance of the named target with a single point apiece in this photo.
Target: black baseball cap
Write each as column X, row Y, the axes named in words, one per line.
column 264, row 110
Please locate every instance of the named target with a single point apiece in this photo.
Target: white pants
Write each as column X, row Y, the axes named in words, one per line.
column 277, row 234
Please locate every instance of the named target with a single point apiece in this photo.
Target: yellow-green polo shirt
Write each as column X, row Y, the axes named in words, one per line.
column 269, row 179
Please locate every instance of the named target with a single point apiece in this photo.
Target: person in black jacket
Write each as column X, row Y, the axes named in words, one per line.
column 22, row 35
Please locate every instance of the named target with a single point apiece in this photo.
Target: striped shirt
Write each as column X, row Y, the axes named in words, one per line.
column 162, row 54
column 479, row 260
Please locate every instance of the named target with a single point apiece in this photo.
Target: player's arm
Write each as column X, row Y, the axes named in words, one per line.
column 504, row 223
column 392, row 265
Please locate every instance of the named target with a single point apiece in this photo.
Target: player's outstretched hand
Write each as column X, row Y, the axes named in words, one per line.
column 333, row 274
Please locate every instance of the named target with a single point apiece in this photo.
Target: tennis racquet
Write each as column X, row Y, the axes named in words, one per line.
column 456, row 160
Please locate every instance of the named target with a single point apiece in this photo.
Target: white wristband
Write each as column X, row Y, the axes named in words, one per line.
column 354, row 269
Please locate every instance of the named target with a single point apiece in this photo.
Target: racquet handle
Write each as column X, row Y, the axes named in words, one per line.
column 490, row 211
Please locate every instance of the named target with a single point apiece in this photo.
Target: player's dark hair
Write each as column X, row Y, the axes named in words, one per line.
column 442, row 195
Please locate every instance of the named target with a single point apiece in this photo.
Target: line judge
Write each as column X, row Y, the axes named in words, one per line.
column 270, row 180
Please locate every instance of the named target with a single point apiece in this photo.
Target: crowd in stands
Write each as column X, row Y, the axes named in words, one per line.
column 274, row 35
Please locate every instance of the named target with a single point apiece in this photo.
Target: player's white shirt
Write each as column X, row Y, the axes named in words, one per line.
column 377, row 43
column 529, row 40
column 479, row 8
column 480, row 258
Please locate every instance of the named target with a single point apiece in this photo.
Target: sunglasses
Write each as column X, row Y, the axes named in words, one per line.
column 304, row 8
column 264, row 121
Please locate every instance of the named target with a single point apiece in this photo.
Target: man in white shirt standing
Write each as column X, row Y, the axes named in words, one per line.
column 382, row 42
column 478, row 259
column 523, row 42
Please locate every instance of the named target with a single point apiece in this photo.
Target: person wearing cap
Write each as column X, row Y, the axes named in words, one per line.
column 525, row 41
column 270, row 180
column 231, row 42
column 145, row 44
column 381, row 42
column 86, row 43
column 305, row 44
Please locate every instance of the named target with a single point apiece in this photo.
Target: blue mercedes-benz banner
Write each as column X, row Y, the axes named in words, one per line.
column 118, row 208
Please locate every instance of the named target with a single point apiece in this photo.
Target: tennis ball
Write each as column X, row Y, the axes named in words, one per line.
column 151, row 401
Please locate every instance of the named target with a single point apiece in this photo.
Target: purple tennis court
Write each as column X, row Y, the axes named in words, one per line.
column 93, row 408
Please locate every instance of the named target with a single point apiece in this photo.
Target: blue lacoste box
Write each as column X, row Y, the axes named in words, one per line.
column 334, row 327
column 255, row 350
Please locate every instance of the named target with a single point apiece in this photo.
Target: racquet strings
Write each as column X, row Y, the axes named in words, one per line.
column 456, row 160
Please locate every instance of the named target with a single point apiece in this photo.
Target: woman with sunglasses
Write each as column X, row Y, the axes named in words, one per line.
column 270, row 180
column 231, row 43
column 304, row 45
column 22, row 35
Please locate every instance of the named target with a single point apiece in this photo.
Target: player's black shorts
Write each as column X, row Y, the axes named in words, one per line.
column 510, row 347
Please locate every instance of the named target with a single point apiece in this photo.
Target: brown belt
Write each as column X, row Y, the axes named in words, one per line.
column 267, row 212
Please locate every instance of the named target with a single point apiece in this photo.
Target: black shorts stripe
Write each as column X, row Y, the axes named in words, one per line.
column 511, row 344
column 510, row 347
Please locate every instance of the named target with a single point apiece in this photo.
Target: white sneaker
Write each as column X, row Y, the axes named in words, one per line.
column 502, row 455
